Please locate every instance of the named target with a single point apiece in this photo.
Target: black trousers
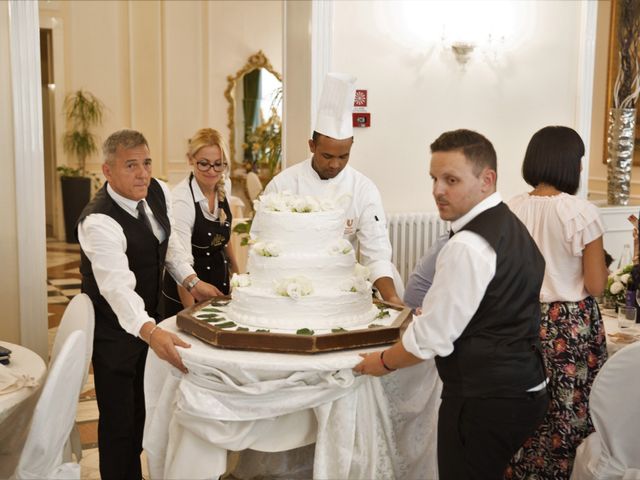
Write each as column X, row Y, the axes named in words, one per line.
column 118, row 368
column 478, row 436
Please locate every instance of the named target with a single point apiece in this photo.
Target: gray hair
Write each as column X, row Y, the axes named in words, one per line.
column 125, row 138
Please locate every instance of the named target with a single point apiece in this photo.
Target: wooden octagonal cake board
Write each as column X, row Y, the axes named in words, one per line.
column 208, row 322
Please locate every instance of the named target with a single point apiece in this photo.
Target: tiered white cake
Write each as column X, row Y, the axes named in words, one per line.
column 302, row 272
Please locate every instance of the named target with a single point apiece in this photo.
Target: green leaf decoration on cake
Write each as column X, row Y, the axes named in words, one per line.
column 337, row 330
column 211, row 309
column 226, row 325
column 242, row 329
column 211, row 318
column 263, row 330
column 381, row 306
column 374, row 325
column 304, row 331
column 383, row 313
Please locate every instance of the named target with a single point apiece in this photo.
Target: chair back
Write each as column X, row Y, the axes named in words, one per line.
column 78, row 315
column 55, row 414
column 253, row 187
column 614, row 404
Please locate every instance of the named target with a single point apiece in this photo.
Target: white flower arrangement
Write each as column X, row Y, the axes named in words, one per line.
column 240, row 280
column 341, row 247
column 286, row 201
column 356, row 284
column 618, row 283
column 266, row 249
column 294, row 287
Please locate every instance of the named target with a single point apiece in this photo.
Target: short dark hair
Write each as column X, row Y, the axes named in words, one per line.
column 125, row 138
column 553, row 157
column 475, row 147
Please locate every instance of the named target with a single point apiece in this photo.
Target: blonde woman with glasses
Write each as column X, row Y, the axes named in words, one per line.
column 203, row 219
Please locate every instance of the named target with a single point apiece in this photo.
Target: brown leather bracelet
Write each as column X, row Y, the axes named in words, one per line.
column 384, row 364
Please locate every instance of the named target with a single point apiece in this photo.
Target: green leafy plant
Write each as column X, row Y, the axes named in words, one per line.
column 83, row 111
column 264, row 142
column 243, row 229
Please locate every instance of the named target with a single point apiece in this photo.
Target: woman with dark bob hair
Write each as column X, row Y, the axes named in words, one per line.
column 568, row 231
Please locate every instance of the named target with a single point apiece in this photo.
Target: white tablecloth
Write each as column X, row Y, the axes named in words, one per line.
column 610, row 320
column 232, row 400
column 16, row 408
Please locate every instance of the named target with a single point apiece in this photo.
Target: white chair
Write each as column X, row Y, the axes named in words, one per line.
column 613, row 450
column 253, row 187
column 54, row 415
column 78, row 315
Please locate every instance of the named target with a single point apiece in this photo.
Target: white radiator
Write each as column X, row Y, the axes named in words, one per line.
column 411, row 235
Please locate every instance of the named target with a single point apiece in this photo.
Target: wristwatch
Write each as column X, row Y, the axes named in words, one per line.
column 192, row 283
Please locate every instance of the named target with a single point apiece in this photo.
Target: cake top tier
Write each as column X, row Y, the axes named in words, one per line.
column 300, row 223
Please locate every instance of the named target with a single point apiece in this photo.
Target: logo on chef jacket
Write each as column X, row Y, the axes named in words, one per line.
column 217, row 240
column 348, row 227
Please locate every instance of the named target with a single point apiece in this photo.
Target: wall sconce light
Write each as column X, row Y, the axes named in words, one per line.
column 462, row 51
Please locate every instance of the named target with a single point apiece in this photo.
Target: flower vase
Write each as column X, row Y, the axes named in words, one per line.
column 620, row 140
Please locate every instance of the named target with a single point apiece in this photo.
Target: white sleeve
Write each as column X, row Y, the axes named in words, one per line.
column 375, row 247
column 177, row 260
column 184, row 217
column 465, row 267
column 105, row 245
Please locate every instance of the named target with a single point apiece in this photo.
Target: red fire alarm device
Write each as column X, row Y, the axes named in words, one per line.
column 361, row 98
column 361, row 119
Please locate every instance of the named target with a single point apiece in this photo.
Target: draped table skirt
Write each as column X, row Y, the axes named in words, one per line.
column 363, row 427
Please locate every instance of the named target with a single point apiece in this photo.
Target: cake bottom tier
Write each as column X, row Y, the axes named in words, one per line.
column 322, row 310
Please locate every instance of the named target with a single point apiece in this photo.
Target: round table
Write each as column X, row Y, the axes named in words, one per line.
column 363, row 427
column 16, row 408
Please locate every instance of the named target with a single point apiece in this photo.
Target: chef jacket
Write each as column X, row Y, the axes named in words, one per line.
column 365, row 220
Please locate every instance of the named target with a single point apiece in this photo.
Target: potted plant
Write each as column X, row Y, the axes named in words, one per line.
column 83, row 111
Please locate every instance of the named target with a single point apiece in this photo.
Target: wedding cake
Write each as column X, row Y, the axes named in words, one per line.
column 302, row 273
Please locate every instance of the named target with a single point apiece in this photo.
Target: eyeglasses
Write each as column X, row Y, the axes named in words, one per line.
column 205, row 166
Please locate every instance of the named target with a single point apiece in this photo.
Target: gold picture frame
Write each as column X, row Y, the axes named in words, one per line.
column 612, row 72
column 256, row 61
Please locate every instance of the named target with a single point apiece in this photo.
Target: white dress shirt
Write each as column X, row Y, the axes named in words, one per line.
column 184, row 212
column 104, row 243
column 365, row 219
column 464, row 268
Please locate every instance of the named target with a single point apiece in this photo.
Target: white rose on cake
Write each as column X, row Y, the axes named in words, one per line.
column 240, row 280
column 294, row 287
column 355, row 284
column 266, row 249
column 305, row 204
column 341, row 247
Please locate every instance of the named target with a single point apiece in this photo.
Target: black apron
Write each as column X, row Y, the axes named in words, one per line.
column 208, row 239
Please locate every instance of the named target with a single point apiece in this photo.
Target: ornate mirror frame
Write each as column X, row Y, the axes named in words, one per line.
column 255, row 61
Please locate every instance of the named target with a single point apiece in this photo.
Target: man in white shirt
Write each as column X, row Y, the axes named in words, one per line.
column 480, row 319
column 326, row 173
column 125, row 239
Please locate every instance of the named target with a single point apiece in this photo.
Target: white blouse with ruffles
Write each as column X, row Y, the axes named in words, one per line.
column 561, row 226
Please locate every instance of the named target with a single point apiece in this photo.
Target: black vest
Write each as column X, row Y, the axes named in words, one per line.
column 145, row 254
column 498, row 354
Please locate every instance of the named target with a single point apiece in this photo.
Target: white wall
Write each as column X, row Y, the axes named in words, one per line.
column 417, row 90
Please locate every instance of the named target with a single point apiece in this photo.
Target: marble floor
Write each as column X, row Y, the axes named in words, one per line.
column 63, row 282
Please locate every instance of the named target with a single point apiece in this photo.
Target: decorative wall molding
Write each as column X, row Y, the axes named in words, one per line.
column 584, row 100
column 29, row 171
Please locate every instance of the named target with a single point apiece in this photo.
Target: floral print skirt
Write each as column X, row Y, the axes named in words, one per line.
column 574, row 347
